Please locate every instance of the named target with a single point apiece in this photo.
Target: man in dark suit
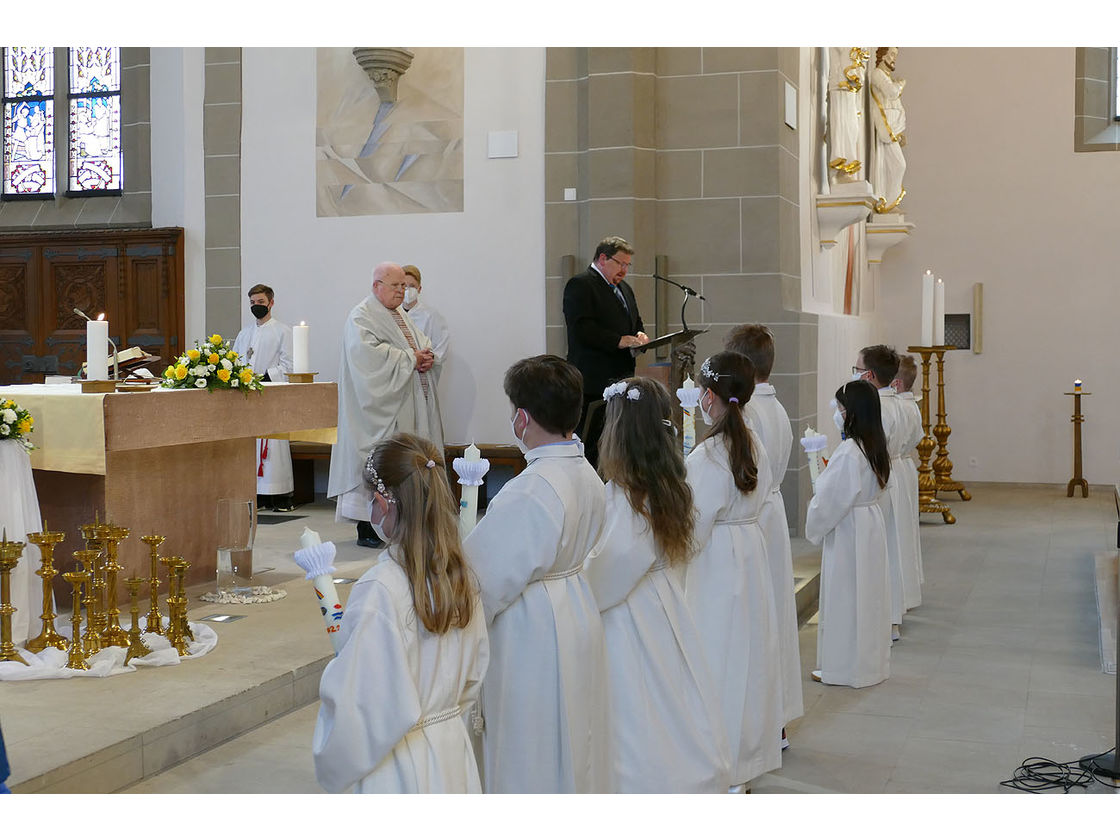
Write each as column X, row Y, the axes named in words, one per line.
column 603, row 327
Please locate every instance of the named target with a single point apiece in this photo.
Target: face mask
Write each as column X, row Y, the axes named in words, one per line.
column 259, row 310
column 704, row 412
column 378, row 527
column 856, row 377
column 410, row 295
column 513, row 428
column 838, row 419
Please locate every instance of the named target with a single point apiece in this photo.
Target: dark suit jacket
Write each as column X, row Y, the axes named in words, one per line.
column 596, row 321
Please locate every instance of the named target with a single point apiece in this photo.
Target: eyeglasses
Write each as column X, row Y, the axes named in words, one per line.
column 858, row 369
column 396, row 287
column 625, row 265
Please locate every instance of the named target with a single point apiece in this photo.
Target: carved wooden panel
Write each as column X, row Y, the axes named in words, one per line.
column 13, row 297
column 79, row 286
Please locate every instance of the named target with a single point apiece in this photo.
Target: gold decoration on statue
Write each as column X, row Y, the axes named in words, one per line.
column 859, row 56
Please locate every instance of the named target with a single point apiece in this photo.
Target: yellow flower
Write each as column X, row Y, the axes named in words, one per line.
column 193, row 355
column 223, row 374
column 231, row 355
column 167, row 374
column 212, row 359
column 246, row 375
column 181, row 372
column 215, row 339
column 25, row 426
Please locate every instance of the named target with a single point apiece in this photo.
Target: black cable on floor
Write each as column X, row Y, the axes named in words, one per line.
column 1037, row 774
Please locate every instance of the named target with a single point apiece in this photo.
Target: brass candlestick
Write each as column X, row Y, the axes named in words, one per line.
column 87, row 558
column 76, row 661
column 155, row 620
column 94, row 535
column 174, row 627
column 136, row 646
column 1077, row 419
column 46, row 540
column 942, row 466
column 927, row 483
column 184, row 625
column 9, row 557
column 113, row 635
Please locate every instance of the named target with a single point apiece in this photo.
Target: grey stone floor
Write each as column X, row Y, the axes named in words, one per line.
column 999, row 663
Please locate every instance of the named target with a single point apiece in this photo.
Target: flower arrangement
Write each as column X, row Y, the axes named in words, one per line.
column 16, row 423
column 211, row 364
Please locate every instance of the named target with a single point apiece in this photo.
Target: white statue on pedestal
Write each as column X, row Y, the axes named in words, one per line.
column 889, row 118
column 845, row 81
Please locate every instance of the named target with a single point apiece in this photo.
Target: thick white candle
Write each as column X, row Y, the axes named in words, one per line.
column 469, row 515
column 939, row 313
column 688, row 421
column 470, row 469
column 97, row 350
column 301, row 348
column 927, row 308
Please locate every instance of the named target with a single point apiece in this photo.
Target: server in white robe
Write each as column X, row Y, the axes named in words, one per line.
column 384, row 386
column 428, row 320
column 727, row 584
column 267, row 346
column 769, row 420
column 666, row 721
column 845, row 518
column 544, row 700
column 908, row 472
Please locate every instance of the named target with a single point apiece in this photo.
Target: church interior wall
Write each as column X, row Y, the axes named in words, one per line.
column 1000, row 197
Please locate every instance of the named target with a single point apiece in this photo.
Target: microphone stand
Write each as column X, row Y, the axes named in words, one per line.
column 687, row 293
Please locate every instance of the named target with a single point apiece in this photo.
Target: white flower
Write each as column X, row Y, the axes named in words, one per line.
column 227, row 364
column 633, row 394
column 8, row 415
column 200, row 383
column 210, row 368
column 233, row 382
column 614, row 390
column 4, row 429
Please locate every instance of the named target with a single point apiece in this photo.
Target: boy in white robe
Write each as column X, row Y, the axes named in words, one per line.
column 544, row 699
column 426, row 319
column 768, row 419
column 908, row 474
column 267, row 347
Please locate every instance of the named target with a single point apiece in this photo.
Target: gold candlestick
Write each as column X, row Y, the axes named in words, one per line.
column 942, row 466
column 9, row 557
column 185, row 631
column 1077, row 419
column 155, row 620
column 49, row 637
column 113, row 635
column 91, row 640
column 927, row 483
column 76, row 661
column 136, row 646
column 94, row 535
column 174, row 627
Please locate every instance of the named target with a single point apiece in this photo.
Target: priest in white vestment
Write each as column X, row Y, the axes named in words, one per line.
column 426, row 319
column 544, row 699
column 267, row 347
column 384, row 386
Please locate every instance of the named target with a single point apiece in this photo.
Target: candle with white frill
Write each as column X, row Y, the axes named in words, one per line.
column 814, row 445
column 689, row 395
column 316, row 558
column 471, row 469
column 301, row 348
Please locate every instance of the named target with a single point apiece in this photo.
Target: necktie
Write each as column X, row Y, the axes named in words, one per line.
column 621, row 298
column 408, row 337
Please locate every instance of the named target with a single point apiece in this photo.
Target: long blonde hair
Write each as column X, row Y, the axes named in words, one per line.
column 640, row 452
column 412, row 471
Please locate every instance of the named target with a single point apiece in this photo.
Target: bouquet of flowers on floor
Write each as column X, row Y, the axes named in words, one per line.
column 211, row 364
column 16, row 423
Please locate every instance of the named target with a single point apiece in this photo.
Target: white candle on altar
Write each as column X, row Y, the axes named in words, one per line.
column 927, row 308
column 939, row 313
column 301, row 348
column 97, row 352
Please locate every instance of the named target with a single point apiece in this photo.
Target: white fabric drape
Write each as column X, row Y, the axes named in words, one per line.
column 19, row 516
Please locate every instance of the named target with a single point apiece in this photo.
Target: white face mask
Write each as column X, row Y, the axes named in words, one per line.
column 704, row 411
column 410, row 295
column 838, row 419
column 856, row 377
column 378, row 527
column 513, row 428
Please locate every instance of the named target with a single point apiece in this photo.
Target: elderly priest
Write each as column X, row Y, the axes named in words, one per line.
column 385, row 386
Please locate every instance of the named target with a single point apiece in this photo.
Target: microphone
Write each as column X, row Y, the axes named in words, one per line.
column 685, row 289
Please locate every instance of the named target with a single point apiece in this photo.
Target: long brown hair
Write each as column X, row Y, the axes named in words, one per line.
column 427, row 531
column 731, row 378
column 863, row 423
column 640, row 452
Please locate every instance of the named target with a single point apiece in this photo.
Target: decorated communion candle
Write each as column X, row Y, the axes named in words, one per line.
column 1077, row 386
column 97, row 349
column 301, row 348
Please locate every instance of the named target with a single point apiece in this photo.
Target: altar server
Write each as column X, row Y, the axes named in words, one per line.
column 384, row 386
column 854, row 634
column 428, row 320
column 267, row 347
column 544, row 702
column 908, row 470
column 727, row 584
column 666, row 724
column 414, row 647
column 768, row 419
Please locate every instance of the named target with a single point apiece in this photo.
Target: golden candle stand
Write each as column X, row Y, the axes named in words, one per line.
column 87, row 559
column 9, row 557
column 155, row 620
column 46, row 540
column 76, row 660
column 928, row 482
column 1078, row 418
column 136, row 646
column 96, row 621
column 113, row 634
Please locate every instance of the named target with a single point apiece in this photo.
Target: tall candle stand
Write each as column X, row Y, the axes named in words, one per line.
column 1078, row 418
column 87, row 558
column 942, row 466
column 927, row 483
column 94, row 535
column 155, row 620
column 9, row 557
column 113, row 635
column 184, row 625
column 136, row 646
column 46, row 540
column 76, row 661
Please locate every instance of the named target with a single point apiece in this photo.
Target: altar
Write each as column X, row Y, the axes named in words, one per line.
column 156, row 462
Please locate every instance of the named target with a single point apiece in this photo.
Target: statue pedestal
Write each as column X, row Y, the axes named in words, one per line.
column 845, row 205
column 884, row 233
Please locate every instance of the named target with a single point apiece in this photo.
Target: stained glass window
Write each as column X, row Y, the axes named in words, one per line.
column 95, row 120
column 28, row 169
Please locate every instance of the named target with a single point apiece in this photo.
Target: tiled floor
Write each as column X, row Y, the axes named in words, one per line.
column 998, row 664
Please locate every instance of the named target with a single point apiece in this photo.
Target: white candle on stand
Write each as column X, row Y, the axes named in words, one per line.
column 927, row 308
column 301, row 348
column 939, row 313
column 97, row 350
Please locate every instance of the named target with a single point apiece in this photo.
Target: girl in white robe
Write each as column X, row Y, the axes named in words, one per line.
column 414, row 647
column 666, row 726
column 728, row 585
column 854, row 633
